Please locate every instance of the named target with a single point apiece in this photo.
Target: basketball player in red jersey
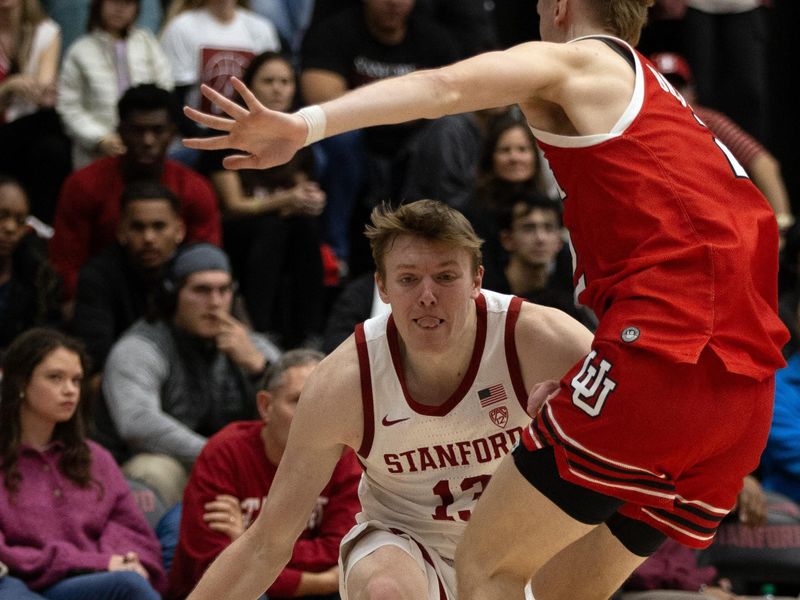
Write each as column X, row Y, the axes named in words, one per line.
column 652, row 432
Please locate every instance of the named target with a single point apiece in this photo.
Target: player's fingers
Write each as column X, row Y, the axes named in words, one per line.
column 249, row 98
column 212, row 121
column 228, row 106
column 240, row 161
column 218, row 142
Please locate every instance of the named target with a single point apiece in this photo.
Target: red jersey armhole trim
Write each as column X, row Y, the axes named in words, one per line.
column 469, row 376
column 512, row 358
column 366, row 391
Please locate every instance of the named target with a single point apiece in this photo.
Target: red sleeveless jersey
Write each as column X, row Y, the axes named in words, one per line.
column 674, row 248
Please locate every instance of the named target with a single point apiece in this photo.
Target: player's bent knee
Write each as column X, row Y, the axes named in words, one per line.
column 638, row 538
column 384, row 587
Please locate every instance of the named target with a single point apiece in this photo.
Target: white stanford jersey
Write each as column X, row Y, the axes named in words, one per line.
column 426, row 466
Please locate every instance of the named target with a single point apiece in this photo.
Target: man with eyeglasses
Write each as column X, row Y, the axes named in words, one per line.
column 180, row 376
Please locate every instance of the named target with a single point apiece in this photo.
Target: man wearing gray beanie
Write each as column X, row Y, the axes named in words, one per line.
column 173, row 380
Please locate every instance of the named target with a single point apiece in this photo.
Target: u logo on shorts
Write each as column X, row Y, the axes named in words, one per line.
column 591, row 385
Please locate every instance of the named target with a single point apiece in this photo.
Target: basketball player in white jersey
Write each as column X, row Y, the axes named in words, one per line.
column 431, row 397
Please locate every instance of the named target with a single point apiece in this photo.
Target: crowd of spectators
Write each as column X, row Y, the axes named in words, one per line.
column 189, row 285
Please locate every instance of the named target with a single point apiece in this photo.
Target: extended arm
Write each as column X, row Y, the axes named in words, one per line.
column 328, row 417
column 533, row 72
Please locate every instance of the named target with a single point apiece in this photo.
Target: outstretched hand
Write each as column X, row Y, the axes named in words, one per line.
column 266, row 137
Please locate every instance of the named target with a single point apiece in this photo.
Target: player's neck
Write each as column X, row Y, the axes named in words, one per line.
column 432, row 376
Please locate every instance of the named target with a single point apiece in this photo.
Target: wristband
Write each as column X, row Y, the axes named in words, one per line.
column 315, row 118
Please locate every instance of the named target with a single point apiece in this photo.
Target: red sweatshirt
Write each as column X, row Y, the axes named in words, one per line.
column 233, row 462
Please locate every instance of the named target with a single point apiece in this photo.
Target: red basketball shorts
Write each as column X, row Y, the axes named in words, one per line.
column 672, row 440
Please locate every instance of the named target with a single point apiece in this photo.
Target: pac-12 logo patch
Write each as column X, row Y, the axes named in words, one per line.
column 630, row 334
column 499, row 416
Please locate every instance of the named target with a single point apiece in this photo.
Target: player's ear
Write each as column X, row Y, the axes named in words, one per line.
column 381, row 285
column 477, row 281
column 263, row 399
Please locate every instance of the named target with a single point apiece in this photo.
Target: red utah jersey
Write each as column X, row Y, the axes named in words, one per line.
column 674, row 248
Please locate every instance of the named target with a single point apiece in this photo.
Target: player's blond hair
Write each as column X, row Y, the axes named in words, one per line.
column 625, row 18
column 428, row 219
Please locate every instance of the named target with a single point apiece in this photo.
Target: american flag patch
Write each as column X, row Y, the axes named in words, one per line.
column 492, row 395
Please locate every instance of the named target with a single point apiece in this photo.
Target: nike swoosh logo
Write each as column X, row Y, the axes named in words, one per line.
column 387, row 423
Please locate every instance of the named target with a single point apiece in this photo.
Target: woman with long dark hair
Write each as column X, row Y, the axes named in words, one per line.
column 69, row 527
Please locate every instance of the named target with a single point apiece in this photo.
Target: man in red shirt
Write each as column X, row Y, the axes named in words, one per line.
column 232, row 477
column 88, row 207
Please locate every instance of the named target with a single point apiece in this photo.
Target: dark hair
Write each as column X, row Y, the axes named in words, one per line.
column 263, row 58
column 524, row 205
column 148, row 97
column 24, row 354
column 299, row 357
column 149, row 190
column 494, row 131
column 31, row 267
column 95, row 21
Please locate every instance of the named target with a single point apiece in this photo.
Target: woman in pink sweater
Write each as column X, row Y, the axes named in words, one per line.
column 69, row 527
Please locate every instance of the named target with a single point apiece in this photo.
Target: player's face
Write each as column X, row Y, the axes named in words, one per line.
column 534, row 238
column 147, row 134
column 514, row 157
column 150, row 231
column 13, row 214
column 54, row 390
column 201, row 300
column 277, row 408
column 431, row 287
column 274, row 85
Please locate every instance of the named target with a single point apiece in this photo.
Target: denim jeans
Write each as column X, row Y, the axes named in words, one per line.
column 116, row 585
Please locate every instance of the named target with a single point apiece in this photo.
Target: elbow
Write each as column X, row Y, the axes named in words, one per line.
column 443, row 88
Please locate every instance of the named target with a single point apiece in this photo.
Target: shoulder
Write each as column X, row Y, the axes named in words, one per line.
column 95, row 174
column 47, row 29
column 333, row 393
column 105, row 273
column 144, row 341
column 254, row 19
column 86, row 45
column 232, row 438
column 184, row 178
column 102, row 459
column 543, row 324
column 548, row 342
column 183, row 22
column 140, row 35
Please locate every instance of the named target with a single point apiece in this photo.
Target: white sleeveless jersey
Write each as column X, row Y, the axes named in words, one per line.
column 426, row 466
